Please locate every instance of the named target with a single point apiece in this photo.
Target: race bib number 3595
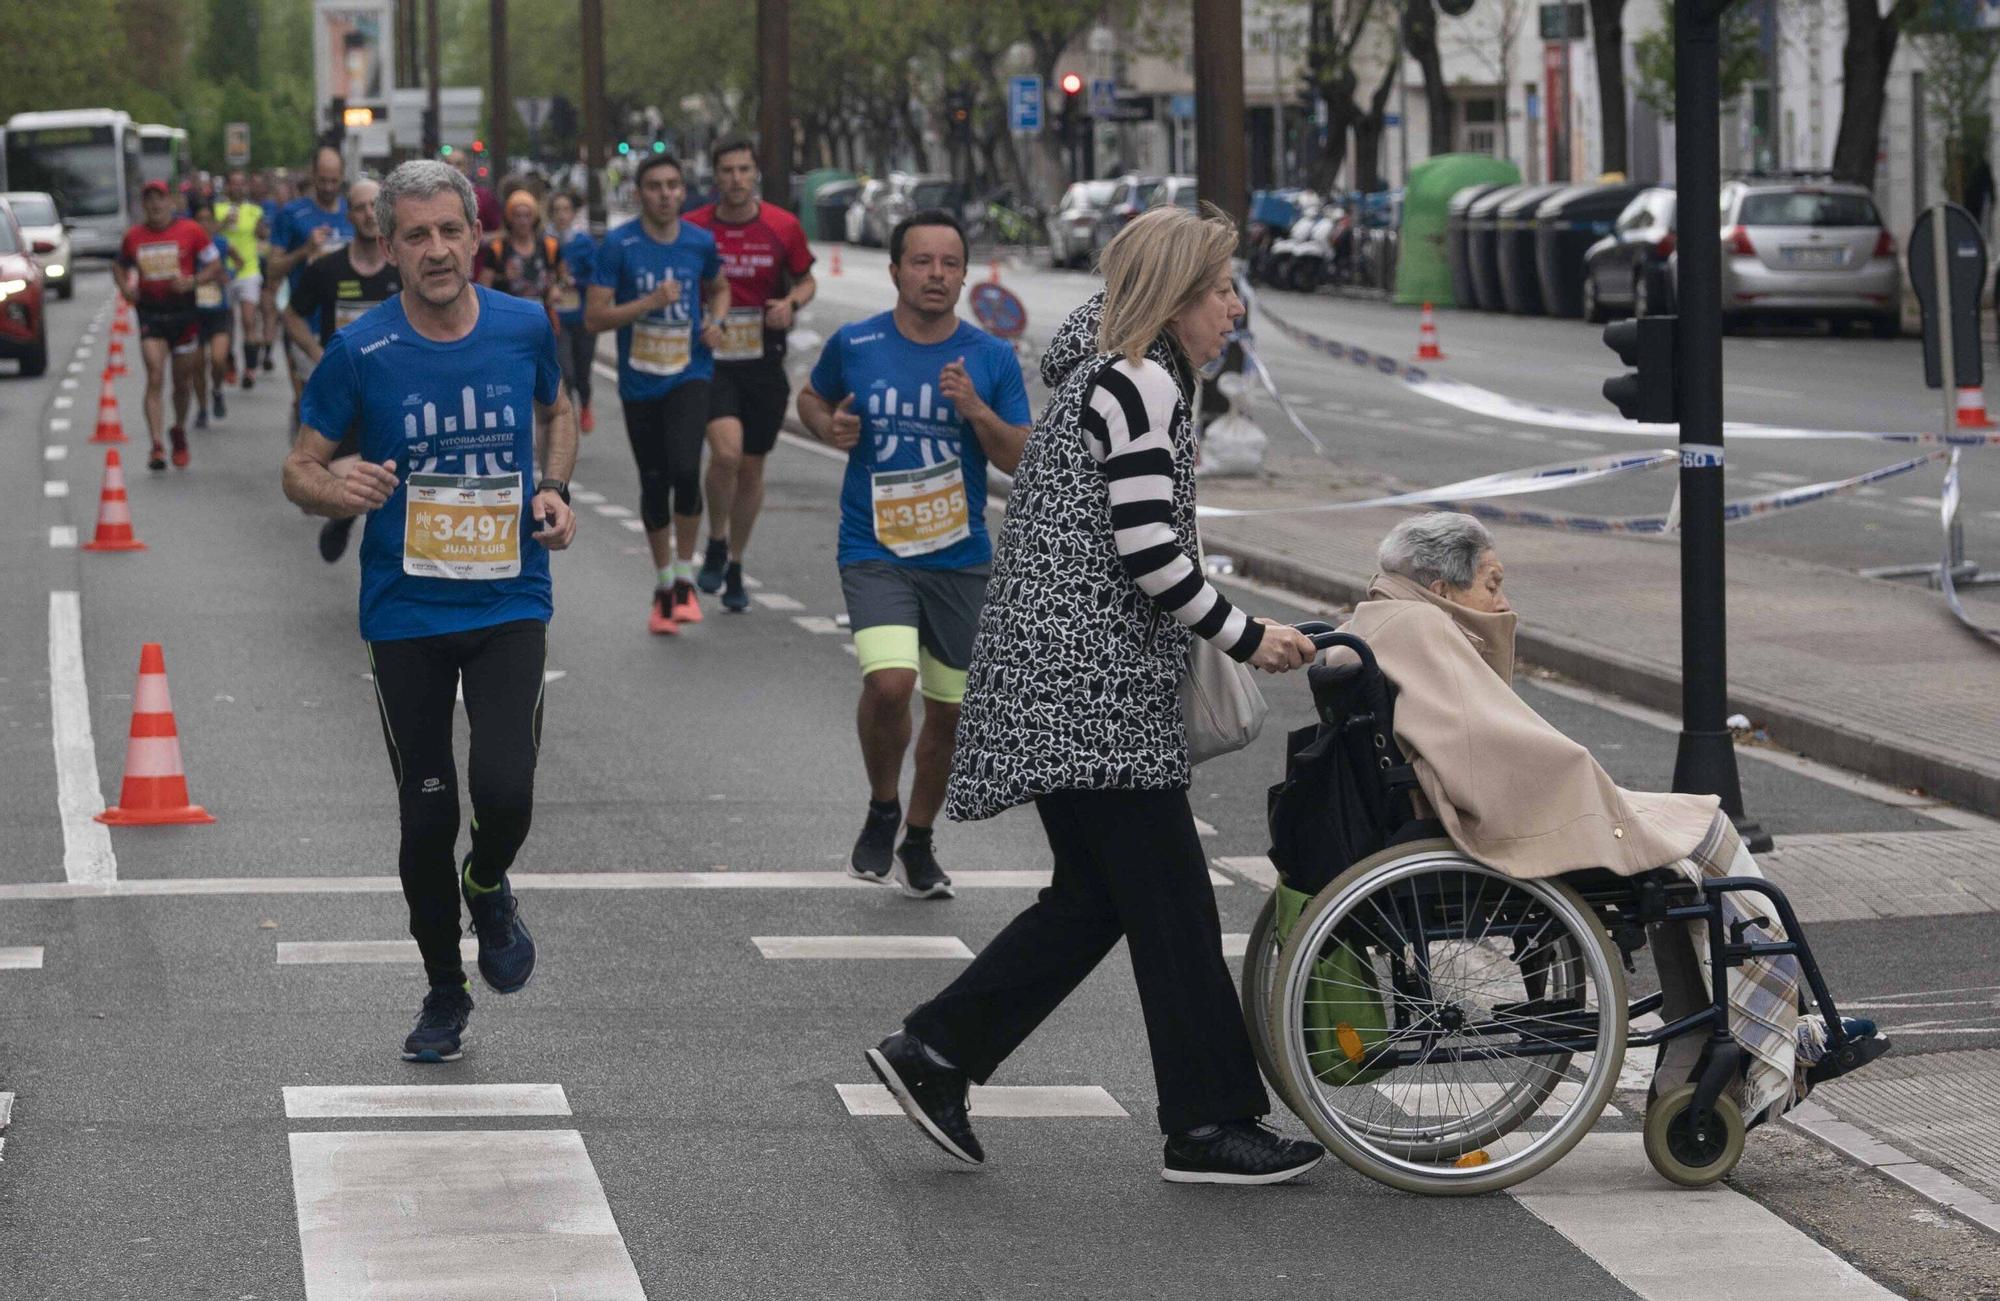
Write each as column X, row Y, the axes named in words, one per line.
column 920, row 511
column 463, row 526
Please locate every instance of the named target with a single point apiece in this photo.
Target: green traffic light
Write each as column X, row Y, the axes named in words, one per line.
column 624, row 147
column 659, row 146
column 444, row 150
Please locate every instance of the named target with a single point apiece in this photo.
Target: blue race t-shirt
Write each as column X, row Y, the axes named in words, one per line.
column 579, row 253
column 292, row 229
column 661, row 350
column 461, row 418
column 893, row 503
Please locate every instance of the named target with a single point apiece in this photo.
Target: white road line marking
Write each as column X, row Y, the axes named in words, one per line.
column 375, row 1101
column 1927, row 503
column 1579, row 444
column 816, row 623
column 164, row 887
column 1605, row 1198
column 989, row 1102
column 587, row 498
column 751, row 583
column 513, row 1212
column 63, row 403
column 776, row 601
column 76, row 368
column 58, row 425
column 1528, row 436
column 1779, row 477
column 55, row 488
column 611, row 510
column 21, row 957
column 1439, row 1099
column 1254, row 868
column 62, row 536
column 315, row 952
column 825, row 947
column 1204, row 828
column 87, row 857
column 1234, row 945
column 54, row 453
column 68, row 383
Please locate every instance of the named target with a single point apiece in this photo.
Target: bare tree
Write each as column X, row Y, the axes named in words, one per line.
column 1489, row 37
column 1864, row 65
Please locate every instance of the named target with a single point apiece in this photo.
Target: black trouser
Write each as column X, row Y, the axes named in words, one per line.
column 1127, row 863
column 416, row 680
column 667, row 435
column 578, row 349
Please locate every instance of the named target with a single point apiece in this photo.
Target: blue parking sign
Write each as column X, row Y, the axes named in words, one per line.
column 1024, row 103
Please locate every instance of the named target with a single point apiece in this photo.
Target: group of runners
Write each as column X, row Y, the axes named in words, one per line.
column 445, row 372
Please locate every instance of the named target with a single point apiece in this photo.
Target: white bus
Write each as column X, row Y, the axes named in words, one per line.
column 88, row 158
column 164, row 156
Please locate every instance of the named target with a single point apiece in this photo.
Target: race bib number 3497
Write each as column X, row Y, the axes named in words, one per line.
column 463, row 526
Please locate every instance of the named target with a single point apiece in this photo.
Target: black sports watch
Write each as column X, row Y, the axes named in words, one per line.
column 560, row 487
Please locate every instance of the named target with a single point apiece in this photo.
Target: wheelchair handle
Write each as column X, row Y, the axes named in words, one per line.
column 1325, row 636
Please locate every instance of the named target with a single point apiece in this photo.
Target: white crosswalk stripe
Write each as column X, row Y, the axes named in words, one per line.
column 997, row 1101
column 300, row 953
column 860, row 946
column 375, row 1101
column 21, row 957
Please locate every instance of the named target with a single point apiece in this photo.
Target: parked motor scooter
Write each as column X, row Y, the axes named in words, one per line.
column 1312, row 261
column 1278, row 268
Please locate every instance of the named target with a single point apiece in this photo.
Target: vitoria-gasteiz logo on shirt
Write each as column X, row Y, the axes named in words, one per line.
column 927, row 420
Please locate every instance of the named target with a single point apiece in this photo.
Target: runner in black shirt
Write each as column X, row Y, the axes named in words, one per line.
column 336, row 291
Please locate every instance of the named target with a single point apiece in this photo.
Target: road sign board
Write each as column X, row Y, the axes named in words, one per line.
column 1024, row 104
column 995, row 307
column 1103, row 97
column 1965, row 276
column 236, row 144
column 534, row 109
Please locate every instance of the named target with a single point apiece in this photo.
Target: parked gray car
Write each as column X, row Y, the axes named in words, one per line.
column 1080, row 225
column 1811, row 249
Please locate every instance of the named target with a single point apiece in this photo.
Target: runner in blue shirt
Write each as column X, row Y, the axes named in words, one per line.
column 310, row 225
column 577, row 345
column 659, row 283
column 921, row 402
column 446, row 387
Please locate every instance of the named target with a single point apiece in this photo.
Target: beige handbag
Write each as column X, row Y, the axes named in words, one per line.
column 1220, row 700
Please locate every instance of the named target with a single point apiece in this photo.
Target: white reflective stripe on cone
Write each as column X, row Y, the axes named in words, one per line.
column 153, row 756
column 150, row 697
column 114, row 510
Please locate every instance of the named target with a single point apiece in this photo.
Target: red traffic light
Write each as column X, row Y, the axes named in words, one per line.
column 479, row 146
column 1072, row 83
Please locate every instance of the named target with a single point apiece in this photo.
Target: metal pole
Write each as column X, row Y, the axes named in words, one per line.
column 1277, row 109
column 1706, row 761
column 593, row 111
column 498, row 100
column 1218, row 106
column 1954, row 549
column 774, row 98
column 433, row 123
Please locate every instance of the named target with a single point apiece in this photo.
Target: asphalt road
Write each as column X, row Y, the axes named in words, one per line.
column 151, row 1154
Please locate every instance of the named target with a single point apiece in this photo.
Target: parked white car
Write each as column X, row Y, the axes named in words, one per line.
column 48, row 238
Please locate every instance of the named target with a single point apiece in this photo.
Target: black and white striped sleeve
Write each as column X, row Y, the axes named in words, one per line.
column 1128, row 420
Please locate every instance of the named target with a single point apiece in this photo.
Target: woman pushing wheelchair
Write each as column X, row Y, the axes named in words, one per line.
column 1440, row 976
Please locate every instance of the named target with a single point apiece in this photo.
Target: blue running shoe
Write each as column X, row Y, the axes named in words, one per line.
column 439, row 1025
column 506, row 953
column 734, row 596
column 709, row 577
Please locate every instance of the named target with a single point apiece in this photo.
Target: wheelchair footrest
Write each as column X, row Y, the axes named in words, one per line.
column 1855, row 1054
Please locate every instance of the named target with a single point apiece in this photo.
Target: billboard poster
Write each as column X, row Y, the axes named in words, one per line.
column 351, row 43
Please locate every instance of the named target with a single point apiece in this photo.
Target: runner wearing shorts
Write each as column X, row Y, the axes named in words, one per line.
column 769, row 265
column 658, row 282
column 310, row 226
column 211, row 304
column 245, row 227
column 451, row 387
column 161, row 261
column 921, row 402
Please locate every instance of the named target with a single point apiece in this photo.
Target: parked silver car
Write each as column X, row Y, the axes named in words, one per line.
column 48, row 236
column 1817, row 250
column 1080, row 225
column 1176, row 192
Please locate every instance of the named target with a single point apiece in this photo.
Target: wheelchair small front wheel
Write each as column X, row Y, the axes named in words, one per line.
column 1683, row 1153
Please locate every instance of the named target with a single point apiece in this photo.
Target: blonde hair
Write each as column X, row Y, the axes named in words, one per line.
column 1156, row 268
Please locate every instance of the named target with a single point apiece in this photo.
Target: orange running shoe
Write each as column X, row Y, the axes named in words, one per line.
column 660, row 617
column 584, row 420
column 686, row 608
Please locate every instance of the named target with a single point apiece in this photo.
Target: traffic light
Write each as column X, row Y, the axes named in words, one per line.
column 958, row 112
column 444, row 151
column 1072, row 86
column 479, row 146
column 336, row 120
column 659, row 146
column 624, row 146
column 1647, row 394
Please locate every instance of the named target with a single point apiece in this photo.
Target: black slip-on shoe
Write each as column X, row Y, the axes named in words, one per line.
column 922, row 877
column 1238, row 1152
column 875, row 849
column 932, row 1096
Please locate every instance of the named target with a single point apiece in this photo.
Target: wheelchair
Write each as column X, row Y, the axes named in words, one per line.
column 1447, row 1029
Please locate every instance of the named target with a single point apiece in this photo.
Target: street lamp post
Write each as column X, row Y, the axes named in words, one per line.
column 1218, row 106
column 1706, row 760
column 774, row 98
column 592, row 25
column 502, row 106
column 433, row 125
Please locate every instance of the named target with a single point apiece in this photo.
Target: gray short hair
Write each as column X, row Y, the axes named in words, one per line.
column 420, row 178
column 1442, row 544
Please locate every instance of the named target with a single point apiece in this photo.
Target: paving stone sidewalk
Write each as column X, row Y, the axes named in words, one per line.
column 1866, row 674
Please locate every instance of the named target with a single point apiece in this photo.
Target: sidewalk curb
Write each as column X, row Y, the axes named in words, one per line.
column 1927, row 1182
column 1822, row 737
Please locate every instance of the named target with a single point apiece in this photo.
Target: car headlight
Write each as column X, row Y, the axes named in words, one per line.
column 11, row 287
column 55, row 270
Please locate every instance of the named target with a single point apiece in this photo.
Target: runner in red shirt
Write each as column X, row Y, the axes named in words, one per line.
column 769, row 268
column 159, row 264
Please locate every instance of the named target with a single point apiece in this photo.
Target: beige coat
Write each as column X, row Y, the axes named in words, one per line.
column 1511, row 790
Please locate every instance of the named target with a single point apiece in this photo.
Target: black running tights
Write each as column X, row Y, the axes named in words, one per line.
column 416, row 680
column 667, row 435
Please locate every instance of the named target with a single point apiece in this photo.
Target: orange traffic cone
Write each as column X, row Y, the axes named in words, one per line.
column 110, row 429
column 833, row 266
column 155, row 793
column 1427, row 338
column 121, row 321
column 995, row 276
column 1972, row 408
column 114, row 359
column 114, row 512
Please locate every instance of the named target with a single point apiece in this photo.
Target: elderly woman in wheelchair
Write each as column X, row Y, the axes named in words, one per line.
column 1438, row 985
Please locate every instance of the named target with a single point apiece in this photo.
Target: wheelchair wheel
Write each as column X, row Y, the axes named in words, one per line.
column 1444, row 1028
column 1690, row 1157
column 1260, row 955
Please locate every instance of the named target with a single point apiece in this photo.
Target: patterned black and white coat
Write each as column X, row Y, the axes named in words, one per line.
column 1095, row 594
